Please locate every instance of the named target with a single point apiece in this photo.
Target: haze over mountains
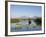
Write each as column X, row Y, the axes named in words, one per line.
column 25, row 17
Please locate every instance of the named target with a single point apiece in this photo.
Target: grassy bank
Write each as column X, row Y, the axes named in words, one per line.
column 18, row 20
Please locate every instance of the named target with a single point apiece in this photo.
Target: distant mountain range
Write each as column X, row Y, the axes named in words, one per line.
column 25, row 17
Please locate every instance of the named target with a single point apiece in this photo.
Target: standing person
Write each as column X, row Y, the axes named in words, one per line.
column 29, row 22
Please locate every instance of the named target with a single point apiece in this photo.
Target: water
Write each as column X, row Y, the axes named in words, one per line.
column 25, row 27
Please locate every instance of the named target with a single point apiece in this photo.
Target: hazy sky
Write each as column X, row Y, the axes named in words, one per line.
column 25, row 10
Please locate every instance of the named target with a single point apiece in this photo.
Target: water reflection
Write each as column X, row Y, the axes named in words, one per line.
column 23, row 26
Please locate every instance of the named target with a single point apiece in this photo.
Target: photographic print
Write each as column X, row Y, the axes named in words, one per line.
column 25, row 18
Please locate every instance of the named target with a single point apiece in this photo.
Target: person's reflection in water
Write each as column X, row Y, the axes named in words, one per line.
column 29, row 22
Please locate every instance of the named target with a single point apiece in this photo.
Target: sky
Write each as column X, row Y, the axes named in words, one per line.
column 25, row 10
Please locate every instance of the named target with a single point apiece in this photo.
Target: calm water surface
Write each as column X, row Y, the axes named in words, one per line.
column 14, row 29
